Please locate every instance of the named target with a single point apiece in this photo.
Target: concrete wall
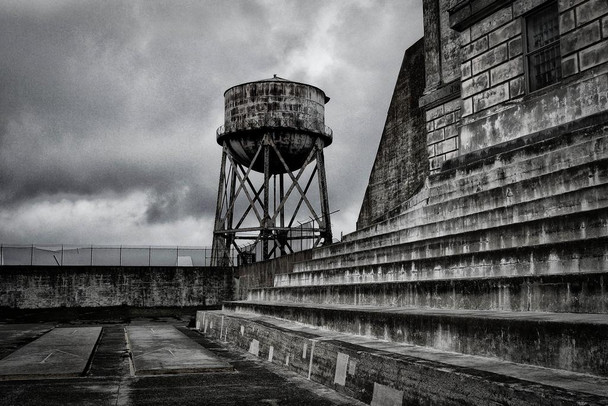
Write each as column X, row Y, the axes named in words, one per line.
column 261, row 274
column 401, row 161
column 26, row 287
column 375, row 375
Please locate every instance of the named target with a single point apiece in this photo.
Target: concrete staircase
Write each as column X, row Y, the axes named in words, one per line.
column 491, row 287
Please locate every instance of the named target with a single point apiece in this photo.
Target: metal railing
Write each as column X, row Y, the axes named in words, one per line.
column 102, row 255
column 300, row 238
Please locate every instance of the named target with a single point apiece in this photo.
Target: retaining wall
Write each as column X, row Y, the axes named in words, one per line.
column 36, row 287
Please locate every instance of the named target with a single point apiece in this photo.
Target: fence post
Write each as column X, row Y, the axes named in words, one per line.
column 91, row 254
column 177, row 256
column 32, row 256
column 61, row 254
column 149, row 256
column 1, row 255
column 120, row 256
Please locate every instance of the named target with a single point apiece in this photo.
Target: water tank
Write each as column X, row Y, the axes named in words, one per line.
column 292, row 113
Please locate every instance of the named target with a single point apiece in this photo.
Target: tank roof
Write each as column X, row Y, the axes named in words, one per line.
column 275, row 78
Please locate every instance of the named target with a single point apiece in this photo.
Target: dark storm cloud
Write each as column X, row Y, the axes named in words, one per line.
column 78, row 80
column 178, row 202
column 103, row 101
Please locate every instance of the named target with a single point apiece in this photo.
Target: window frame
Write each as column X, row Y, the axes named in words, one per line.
column 527, row 53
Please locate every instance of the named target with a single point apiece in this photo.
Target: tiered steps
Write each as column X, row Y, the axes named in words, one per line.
column 384, row 373
column 502, row 259
column 525, row 231
column 568, row 341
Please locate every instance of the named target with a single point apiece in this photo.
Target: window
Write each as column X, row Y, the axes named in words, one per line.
column 542, row 47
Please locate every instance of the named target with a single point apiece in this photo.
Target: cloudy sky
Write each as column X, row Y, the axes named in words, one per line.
column 108, row 109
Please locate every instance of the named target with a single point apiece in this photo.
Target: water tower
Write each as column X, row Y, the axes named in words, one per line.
column 273, row 138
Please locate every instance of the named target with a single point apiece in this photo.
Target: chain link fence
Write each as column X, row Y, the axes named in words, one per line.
column 100, row 255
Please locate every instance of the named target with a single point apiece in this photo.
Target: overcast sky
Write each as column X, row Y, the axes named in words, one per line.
column 108, row 109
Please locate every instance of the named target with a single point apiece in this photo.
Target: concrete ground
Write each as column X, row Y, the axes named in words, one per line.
column 144, row 361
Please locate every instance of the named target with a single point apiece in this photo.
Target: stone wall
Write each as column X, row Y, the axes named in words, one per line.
column 485, row 100
column 37, row 287
column 496, row 105
column 401, row 161
column 441, row 100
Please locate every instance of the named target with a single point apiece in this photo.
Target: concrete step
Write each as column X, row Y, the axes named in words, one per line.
column 374, row 370
column 589, row 194
column 572, row 243
column 569, row 341
column 573, row 293
column 534, row 161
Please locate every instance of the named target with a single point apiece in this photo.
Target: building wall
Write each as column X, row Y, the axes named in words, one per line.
column 496, row 106
column 487, row 103
column 401, row 165
column 38, row 287
column 441, row 99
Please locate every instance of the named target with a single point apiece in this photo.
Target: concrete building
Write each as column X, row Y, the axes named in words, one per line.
column 478, row 272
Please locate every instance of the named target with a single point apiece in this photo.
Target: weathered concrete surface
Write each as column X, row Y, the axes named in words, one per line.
column 37, row 287
column 15, row 336
column 109, row 382
column 355, row 365
column 497, row 106
column 158, row 349
column 401, row 164
column 262, row 274
column 574, row 342
column 573, row 292
column 61, row 352
column 568, row 103
column 545, row 166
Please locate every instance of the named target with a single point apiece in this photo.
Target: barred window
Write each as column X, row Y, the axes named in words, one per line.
column 542, row 47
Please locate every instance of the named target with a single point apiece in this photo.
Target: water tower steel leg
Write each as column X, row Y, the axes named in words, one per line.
column 221, row 190
column 266, row 220
column 326, row 232
column 219, row 241
column 230, row 216
column 283, row 240
column 281, row 197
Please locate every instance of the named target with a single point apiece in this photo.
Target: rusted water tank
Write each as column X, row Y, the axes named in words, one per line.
column 292, row 113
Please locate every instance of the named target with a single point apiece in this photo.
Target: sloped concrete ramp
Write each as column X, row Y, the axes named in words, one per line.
column 164, row 350
column 60, row 353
